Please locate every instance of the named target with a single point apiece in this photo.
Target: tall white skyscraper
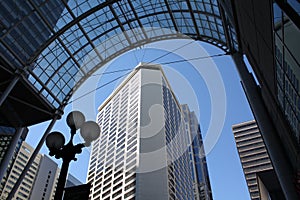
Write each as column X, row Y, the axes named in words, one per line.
column 143, row 150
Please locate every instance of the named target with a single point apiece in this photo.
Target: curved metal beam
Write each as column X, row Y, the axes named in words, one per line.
column 93, row 10
column 69, row 25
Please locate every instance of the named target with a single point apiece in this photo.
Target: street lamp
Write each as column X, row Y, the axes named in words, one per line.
column 55, row 141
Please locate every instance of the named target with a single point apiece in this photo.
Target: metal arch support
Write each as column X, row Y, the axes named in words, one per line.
column 137, row 18
column 193, row 18
column 69, row 25
column 91, row 11
column 171, row 15
column 9, row 89
column 119, row 23
column 34, row 154
column 9, row 154
column 281, row 165
column 16, row 77
column 225, row 25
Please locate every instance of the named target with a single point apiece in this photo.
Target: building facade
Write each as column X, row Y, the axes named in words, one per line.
column 29, row 35
column 143, row 150
column 72, row 181
column 269, row 35
column 255, row 161
column 9, row 149
column 46, row 179
column 202, row 187
column 38, row 182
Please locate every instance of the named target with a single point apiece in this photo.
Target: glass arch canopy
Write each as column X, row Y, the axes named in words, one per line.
column 54, row 38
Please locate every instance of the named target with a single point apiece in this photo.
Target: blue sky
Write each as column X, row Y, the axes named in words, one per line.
column 191, row 87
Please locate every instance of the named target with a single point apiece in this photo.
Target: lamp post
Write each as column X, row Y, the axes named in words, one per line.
column 55, row 141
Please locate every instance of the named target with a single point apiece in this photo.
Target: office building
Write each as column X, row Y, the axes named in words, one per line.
column 202, row 188
column 72, row 181
column 255, row 161
column 269, row 33
column 41, row 179
column 9, row 147
column 29, row 35
column 143, row 149
column 45, row 180
column 38, row 182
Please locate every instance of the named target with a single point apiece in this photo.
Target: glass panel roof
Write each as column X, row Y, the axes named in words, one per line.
column 64, row 42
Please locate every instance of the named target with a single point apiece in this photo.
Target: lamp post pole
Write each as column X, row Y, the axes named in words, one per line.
column 62, row 180
column 55, row 142
column 67, row 153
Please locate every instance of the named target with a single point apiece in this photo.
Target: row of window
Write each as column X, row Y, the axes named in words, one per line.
column 179, row 171
column 287, row 68
column 117, row 145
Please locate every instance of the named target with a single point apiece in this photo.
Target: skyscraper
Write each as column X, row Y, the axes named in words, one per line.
column 143, row 151
column 255, row 161
column 9, row 147
column 201, row 184
column 44, row 186
column 38, row 182
column 72, row 181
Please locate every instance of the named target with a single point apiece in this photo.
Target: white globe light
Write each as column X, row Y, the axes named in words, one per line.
column 55, row 140
column 75, row 119
column 89, row 131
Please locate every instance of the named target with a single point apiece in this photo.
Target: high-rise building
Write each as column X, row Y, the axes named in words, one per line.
column 143, row 150
column 202, row 188
column 38, row 182
column 45, row 181
column 9, row 147
column 255, row 161
column 72, row 181
column 41, row 179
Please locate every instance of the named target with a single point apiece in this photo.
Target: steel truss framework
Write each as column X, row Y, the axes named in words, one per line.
column 88, row 34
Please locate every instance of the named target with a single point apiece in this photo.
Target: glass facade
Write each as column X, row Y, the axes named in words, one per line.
column 65, row 42
column 23, row 28
column 287, row 61
column 202, row 188
column 179, row 168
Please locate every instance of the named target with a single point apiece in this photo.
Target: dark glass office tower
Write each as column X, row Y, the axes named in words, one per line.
column 202, row 188
column 30, row 29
